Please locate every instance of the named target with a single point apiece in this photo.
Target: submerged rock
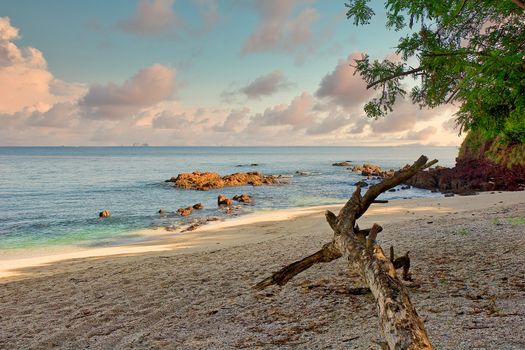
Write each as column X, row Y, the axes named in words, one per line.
column 104, row 214
column 204, row 181
column 345, row 163
column 184, row 211
column 361, row 184
column 243, row 198
column 198, row 206
column 162, row 211
column 224, row 201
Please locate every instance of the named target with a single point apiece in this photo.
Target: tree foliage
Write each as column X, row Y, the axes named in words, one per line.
column 466, row 52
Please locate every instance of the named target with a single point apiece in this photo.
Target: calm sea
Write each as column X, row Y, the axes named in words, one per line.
column 52, row 195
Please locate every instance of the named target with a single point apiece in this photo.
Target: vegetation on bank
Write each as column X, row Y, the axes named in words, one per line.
column 476, row 146
column 470, row 53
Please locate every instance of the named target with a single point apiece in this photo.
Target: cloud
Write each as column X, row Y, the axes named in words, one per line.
column 152, row 17
column 297, row 114
column 24, row 71
column 7, row 31
column 61, row 115
column 342, row 86
column 333, row 122
column 421, row 135
column 209, row 12
column 404, row 117
column 234, row 122
column 450, row 125
column 158, row 17
column 169, row 120
column 359, row 126
column 279, row 30
column 145, row 89
column 265, row 85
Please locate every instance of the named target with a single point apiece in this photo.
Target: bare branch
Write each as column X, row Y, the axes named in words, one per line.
column 328, row 253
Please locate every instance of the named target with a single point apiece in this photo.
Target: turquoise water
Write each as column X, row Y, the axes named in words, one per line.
column 52, row 195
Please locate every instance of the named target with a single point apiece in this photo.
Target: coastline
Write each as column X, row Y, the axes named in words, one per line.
column 250, row 228
column 192, row 293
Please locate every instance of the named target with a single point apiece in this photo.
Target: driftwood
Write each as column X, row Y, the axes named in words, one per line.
column 400, row 324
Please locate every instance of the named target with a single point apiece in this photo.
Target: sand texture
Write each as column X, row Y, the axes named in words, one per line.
column 468, row 263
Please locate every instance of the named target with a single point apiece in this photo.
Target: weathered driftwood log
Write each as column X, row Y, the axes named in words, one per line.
column 400, row 324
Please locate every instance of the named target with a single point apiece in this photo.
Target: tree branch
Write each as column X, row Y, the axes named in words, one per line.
column 398, row 75
column 328, row 253
column 400, row 324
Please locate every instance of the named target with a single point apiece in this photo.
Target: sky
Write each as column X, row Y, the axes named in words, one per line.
column 198, row 73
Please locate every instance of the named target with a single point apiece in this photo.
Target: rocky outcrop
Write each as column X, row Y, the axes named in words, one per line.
column 474, row 171
column 243, row 198
column 104, row 214
column 204, row 181
column 469, row 176
column 224, row 201
column 371, row 170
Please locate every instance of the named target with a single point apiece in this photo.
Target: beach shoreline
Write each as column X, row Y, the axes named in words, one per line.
column 194, row 291
column 246, row 229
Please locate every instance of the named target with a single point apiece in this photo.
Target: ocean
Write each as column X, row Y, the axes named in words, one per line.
column 52, row 195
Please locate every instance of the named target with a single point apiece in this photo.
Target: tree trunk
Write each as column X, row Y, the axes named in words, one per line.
column 400, row 324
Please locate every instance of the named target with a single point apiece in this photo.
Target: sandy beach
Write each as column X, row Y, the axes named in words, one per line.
column 193, row 290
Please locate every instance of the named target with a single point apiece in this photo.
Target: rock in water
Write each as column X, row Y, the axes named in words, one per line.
column 243, row 198
column 224, row 201
column 361, row 184
column 342, row 164
column 204, row 181
column 198, row 206
column 184, row 211
column 372, row 170
column 162, row 211
column 104, row 214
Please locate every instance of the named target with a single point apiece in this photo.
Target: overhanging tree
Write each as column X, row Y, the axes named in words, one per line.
column 471, row 53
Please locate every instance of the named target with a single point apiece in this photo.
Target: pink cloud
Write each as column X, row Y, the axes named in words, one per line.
column 343, row 87
column 265, row 85
column 279, row 29
column 61, row 115
column 296, row 114
column 24, row 71
column 334, row 121
column 234, row 122
column 403, row 118
column 169, row 120
column 7, row 31
column 144, row 89
column 152, row 17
